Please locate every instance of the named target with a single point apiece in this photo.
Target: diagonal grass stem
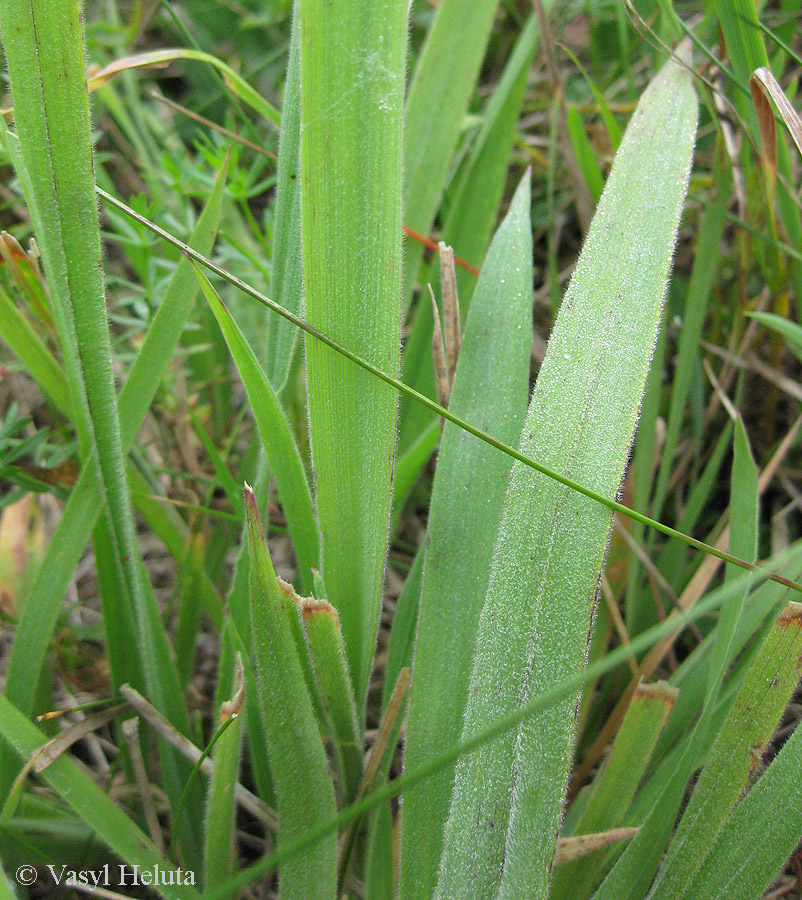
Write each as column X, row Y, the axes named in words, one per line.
column 441, row 411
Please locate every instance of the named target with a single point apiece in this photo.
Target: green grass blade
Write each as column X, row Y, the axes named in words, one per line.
column 352, row 92
column 405, row 627
column 219, row 855
column 640, row 613
column 534, row 626
column 73, row 532
column 412, row 460
column 490, row 386
column 732, row 759
column 790, row 331
column 469, row 222
column 704, row 270
column 613, row 788
column 381, row 374
column 585, row 154
column 29, row 349
column 509, row 721
column 45, row 53
column 441, row 89
column 756, row 840
column 287, row 279
column 639, row 861
column 298, row 760
column 276, row 434
column 105, row 817
column 234, row 82
column 328, row 655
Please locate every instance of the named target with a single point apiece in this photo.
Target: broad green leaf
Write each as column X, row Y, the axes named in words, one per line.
column 756, row 840
column 352, row 93
column 105, row 817
column 533, row 631
column 277, row 438
column 287, row 279
column 614, row 786
column 442, row 85
column 300, row 769
column 490, row 387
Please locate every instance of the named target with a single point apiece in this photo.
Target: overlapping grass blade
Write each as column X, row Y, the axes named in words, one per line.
column 533, row 631
column 298, row 760
column 634, row 871
column 494, row 363
column 105, row 817
column 470, row 219
column 755, row 841
column 736, row 753
column 45, row 54
column 614, row 786
column 277, row 438
column 72, row 534
column 441, row 88
column 401, row 387
column 352, row 92
column 508, row 721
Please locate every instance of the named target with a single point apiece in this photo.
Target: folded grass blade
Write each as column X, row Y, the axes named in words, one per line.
column 300, row 769
column 328, row 655
column 533, row 631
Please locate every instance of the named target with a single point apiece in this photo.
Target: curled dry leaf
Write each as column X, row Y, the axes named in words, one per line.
column 763, row 85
